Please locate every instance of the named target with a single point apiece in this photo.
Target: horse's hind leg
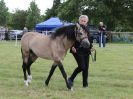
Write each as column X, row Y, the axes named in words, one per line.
column 24, row 71
column 25, row 56
column 31, row 59
column 50, row 73
column 27, row 61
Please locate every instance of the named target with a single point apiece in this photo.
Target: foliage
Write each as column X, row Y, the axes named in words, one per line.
column 19, row 19
column 120, row 13
column 3, row 13
column 33, row 15
column 114, row 13
column 53, row 12
column 69, row 10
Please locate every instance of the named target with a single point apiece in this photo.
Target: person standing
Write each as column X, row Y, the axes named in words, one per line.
column 81, row 56
column 25, row 30
column 102, row 34
column 6, row 33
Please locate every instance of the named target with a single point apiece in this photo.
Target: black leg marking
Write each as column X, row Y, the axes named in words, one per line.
column 64, row 75
column 28, row 68
column 31, row 59
column 24, row 70
column 50, row 74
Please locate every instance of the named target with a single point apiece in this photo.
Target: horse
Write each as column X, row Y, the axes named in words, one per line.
column 52, row 47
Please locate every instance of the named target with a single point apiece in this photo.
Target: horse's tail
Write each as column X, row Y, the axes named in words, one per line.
column 95, row 55
column 22, row 53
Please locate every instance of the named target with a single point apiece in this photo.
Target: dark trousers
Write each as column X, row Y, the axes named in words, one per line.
column 102, row 40
column 83, row 65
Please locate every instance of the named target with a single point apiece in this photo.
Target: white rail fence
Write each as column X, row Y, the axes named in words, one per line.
column 111, row 35
column 120, row 36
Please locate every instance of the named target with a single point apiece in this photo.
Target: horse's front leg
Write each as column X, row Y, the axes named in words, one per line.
column 50, row 73
column 64, row 74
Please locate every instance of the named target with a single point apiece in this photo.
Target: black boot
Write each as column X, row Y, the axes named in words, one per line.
column 85, row 85
column 70, row 82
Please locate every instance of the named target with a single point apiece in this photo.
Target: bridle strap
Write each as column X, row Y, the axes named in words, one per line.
column 83, row 39
column 76, row 36
column 75, row 32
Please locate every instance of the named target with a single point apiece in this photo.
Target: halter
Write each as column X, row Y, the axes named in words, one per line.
column 83, row 39
column 76, row 36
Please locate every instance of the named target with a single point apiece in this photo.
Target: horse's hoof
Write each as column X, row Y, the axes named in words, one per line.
column 29, row 81
column 26, row 83
column 29, row 78
column 71, row 89
column 46, row 83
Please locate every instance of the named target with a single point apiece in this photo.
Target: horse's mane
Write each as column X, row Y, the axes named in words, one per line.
column 85, row 28
column 68, row 31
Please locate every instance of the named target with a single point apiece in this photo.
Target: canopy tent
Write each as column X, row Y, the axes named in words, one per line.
column 50, row 24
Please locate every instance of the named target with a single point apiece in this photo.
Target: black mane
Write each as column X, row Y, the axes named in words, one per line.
column 86, row 28
column 68, row 31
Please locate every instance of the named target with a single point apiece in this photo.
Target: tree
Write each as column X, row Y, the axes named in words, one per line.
column 69, row 10
column 120, row 12
column 114, row 13
column 18, row 19
column 34, row 15
column 3, row 13
column 53, row 12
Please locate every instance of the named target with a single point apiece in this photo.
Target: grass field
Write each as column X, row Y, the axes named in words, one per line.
column 111, row 77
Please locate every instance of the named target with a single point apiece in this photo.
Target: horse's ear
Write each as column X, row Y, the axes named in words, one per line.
column 77, row 25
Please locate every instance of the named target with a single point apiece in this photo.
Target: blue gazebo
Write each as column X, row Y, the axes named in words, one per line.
column 49, row 24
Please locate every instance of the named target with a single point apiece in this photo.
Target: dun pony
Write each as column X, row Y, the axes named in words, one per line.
column 53, row 47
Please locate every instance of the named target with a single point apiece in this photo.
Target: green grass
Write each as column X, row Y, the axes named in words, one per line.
column 111, row 77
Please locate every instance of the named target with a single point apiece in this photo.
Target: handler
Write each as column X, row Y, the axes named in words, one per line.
column 81, row 56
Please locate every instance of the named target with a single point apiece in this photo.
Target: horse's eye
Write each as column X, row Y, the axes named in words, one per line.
column 80, row 33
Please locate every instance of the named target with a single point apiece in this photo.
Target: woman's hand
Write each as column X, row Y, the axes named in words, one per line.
column 74, row 50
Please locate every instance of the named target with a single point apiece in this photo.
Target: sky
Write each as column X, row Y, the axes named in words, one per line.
column 25, row 4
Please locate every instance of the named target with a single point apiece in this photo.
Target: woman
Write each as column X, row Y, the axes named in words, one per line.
column 81, row 56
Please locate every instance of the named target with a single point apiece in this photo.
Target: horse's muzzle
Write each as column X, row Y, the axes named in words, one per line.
column 85, row 43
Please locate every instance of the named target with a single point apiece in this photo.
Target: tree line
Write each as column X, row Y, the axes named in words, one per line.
column 20, row 18
column 116, row 14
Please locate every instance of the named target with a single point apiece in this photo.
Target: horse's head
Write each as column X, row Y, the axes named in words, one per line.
column 81, row 34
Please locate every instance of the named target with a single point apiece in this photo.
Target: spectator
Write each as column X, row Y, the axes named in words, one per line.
column 2, row 33
column 6, row 34
column 102, row 34
column 25, row 30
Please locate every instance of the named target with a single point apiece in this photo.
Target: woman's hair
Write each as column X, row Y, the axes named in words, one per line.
column 83, row 16
column 101, row 22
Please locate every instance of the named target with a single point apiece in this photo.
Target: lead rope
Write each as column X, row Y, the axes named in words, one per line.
column 93, row 57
